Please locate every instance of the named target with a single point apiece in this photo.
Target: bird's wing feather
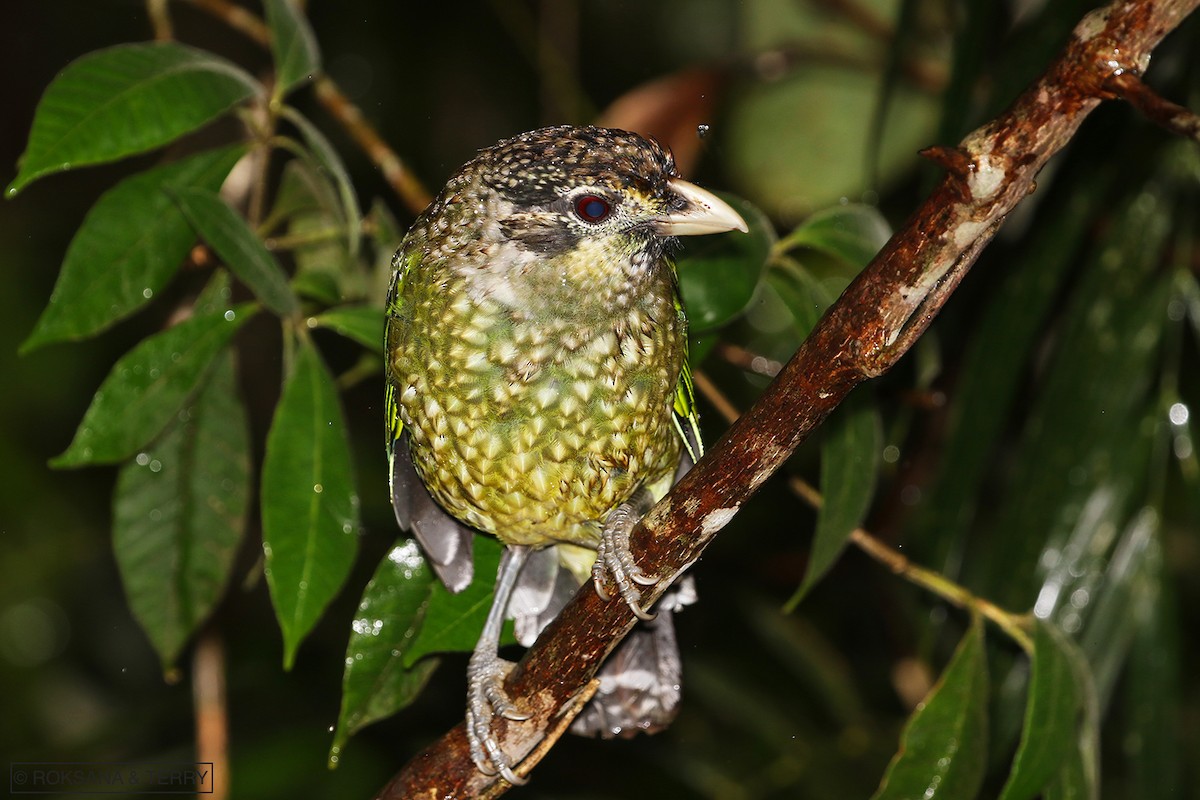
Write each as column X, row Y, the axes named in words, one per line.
column 686, row 419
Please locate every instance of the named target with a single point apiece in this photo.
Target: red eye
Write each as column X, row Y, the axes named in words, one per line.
column 591, row 208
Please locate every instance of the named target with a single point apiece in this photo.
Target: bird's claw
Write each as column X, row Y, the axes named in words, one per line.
column 486, row 699
column 614, row 559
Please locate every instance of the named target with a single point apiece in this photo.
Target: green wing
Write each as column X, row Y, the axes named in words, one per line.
column 687, row 421
column 394, row 426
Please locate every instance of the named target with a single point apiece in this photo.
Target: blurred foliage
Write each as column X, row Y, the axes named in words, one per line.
column 1038, row 446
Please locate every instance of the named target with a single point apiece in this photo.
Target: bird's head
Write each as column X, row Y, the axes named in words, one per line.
column 582, row 201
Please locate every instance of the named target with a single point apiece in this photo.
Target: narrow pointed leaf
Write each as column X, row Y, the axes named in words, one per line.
column 363, row 324
column 125, row 100
column 1051, row 715
column 326, row 158
column 309, row 504
column 179, row 512
column 147, row 386
column 719, row 274
column 129, row 246
column 453, row 621
column 293, row 45
column 238, row 246
column 849, row 463
column 943, row 749
column 375, row 683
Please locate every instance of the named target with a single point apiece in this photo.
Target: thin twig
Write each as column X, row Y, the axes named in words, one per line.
column 212, row 715
column 1012, row 624
column 1175, row 118
column 160, row 20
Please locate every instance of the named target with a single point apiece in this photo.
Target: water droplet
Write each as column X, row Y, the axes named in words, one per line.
column 1178, row 414
column 318, row 488
column 142, row 459
column 147, row 293
column 155, row 515
column 331, row 729
column 347, row 527
column 176, row 356
column 702, row 130
column 155, row 465
column 155, row 372
column 230, row 316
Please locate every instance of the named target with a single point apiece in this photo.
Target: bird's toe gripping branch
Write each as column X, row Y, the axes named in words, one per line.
column 614, row 559
column 486, row 698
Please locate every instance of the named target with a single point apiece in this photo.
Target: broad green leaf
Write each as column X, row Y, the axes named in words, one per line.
column 853, row 233
column 125, row 100
column 293, row 46
column 238, row 246
column 363, row 324
column 943, row 749
column 309, row 504
column 849, row 464
column 1051, row 716
column 147, row 386
column 375, row 683
column 800, row 143
column 127, row 249
column 804, row 296
column 327, row 159
column 453, row 621
column 719, row 274
column 179, row 512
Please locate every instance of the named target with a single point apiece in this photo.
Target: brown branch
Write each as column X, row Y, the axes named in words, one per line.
column 863, row 334
column 1160, row 111
column 402, row 180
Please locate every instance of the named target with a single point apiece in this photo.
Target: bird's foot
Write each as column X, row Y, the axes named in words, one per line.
column 613, row 558
column 487, row 699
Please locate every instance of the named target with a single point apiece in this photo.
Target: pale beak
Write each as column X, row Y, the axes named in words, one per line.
column 704, row 213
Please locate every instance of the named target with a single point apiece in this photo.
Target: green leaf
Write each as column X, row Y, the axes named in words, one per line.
column 850, row 455
column 238, row 246
column 719, row 274
column 293, row 46
column 309, row 505
column 127, row 249
column 853, row 233
column 147, row 386
column 363, row 324
column 803, row 295
column 943, row 749
column 453, row 621
column 179, row 512
column 1050, row 716
column 800, row 143
column 328, row 161
column 376, row 684
column 125, row 100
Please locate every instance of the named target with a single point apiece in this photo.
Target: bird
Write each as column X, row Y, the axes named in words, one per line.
column 538, row 391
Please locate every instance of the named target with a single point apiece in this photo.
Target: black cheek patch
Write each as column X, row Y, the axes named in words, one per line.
column 545, row 240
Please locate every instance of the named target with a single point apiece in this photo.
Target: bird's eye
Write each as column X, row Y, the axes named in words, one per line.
column 591, row 208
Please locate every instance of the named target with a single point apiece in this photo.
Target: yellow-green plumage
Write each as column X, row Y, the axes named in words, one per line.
column 538, row 388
